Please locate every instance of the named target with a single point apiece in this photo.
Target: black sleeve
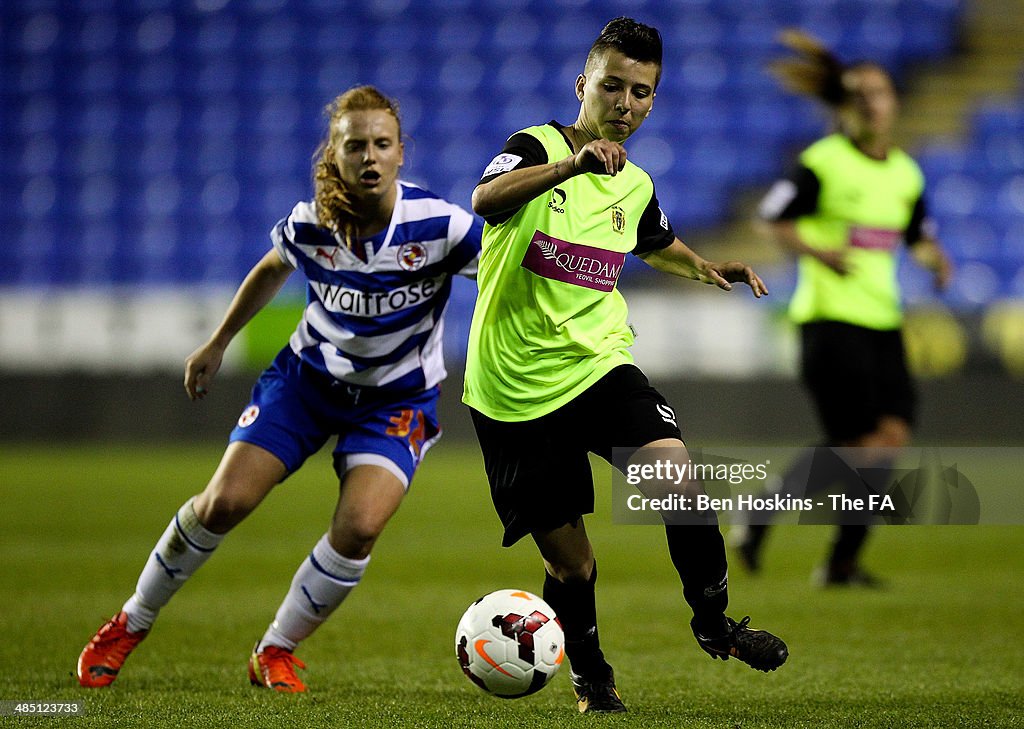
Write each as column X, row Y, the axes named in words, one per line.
column 920, row 226
column 653, row 232
column 521, row 150
column 791, row 197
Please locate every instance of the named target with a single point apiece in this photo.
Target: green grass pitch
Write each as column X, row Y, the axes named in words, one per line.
column 941, row 648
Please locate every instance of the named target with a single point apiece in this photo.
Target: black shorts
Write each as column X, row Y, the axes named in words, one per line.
column 855, row 375
column 539, row 470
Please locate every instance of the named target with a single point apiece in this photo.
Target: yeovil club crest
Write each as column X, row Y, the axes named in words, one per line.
column 618, row 219
column 412, row 256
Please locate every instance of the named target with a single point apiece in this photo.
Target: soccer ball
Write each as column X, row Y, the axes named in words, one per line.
column 510, row 643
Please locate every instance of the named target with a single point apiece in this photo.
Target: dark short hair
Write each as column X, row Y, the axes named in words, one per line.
column 630, row 38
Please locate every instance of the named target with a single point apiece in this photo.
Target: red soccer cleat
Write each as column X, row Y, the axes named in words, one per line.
column 102, row 658
column 274, row 668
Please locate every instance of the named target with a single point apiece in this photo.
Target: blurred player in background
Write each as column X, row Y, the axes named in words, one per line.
column 363, row 365
column 550, row 377
column 852, row 202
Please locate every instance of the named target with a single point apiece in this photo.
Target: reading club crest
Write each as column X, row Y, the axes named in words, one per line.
column 249, row 416
column 618, row 219
column 412, row 256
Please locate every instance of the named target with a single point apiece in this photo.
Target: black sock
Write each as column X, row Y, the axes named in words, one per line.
column 575, row 605
column 794, row 482
column 850, row 539
column 755, row 535
column 851, row 535
column 804, row 475
column 698, row 554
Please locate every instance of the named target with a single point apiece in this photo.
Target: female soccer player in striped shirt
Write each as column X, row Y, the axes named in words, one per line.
column 363, row 365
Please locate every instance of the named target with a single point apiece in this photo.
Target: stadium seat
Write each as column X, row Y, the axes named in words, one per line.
column 938, row 160
column 693, row 206
column 519, row 73
column 398, row 73
column 1010, row 197
column 697, row 30
column 1012, row 240
column 704, row 72
column 995, row 118
column 957, row 194
column 970, row 238
column 192, row 115
column 999, row 154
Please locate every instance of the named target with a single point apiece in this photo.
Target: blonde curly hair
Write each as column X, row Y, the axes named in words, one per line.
column 334, row 205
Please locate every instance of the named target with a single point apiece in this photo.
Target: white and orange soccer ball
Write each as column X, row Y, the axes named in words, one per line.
column 510, row 643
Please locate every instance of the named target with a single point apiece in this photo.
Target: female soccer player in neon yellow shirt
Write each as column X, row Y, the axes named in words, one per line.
column 852, row 202
column 549, row 375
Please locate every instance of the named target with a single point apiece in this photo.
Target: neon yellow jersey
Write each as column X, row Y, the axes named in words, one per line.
column 549, row 321
column 864, row 207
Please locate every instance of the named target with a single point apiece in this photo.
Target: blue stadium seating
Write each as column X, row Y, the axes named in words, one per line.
column 977, row 196
column 157, row 142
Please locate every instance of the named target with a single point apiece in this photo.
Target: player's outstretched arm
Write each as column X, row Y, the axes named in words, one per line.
column 514, row 189
column 679, row 260
column 262, row 283
column 785, row 234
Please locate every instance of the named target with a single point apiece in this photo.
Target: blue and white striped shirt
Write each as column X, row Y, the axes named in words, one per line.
column 380, row 322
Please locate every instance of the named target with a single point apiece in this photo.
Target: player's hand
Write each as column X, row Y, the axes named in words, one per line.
column 835, row 260
column 200, row 368
column 935, row 259
column 943, row 273
column 601, row 156
column 724, row 275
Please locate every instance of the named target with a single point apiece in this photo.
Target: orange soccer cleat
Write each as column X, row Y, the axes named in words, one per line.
column 102, row 658
column 275, row 668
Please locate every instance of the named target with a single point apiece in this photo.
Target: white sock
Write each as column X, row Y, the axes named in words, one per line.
column 321, row 583
column 182, row 549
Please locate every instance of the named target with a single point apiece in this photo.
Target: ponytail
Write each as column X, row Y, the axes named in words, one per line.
column 814, row 70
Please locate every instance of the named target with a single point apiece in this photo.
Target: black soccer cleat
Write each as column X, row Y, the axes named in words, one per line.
column 598, row 696
column 757, row 648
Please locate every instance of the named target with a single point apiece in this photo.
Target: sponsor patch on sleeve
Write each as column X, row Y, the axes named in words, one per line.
column 502, row 163
column 781, row 194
